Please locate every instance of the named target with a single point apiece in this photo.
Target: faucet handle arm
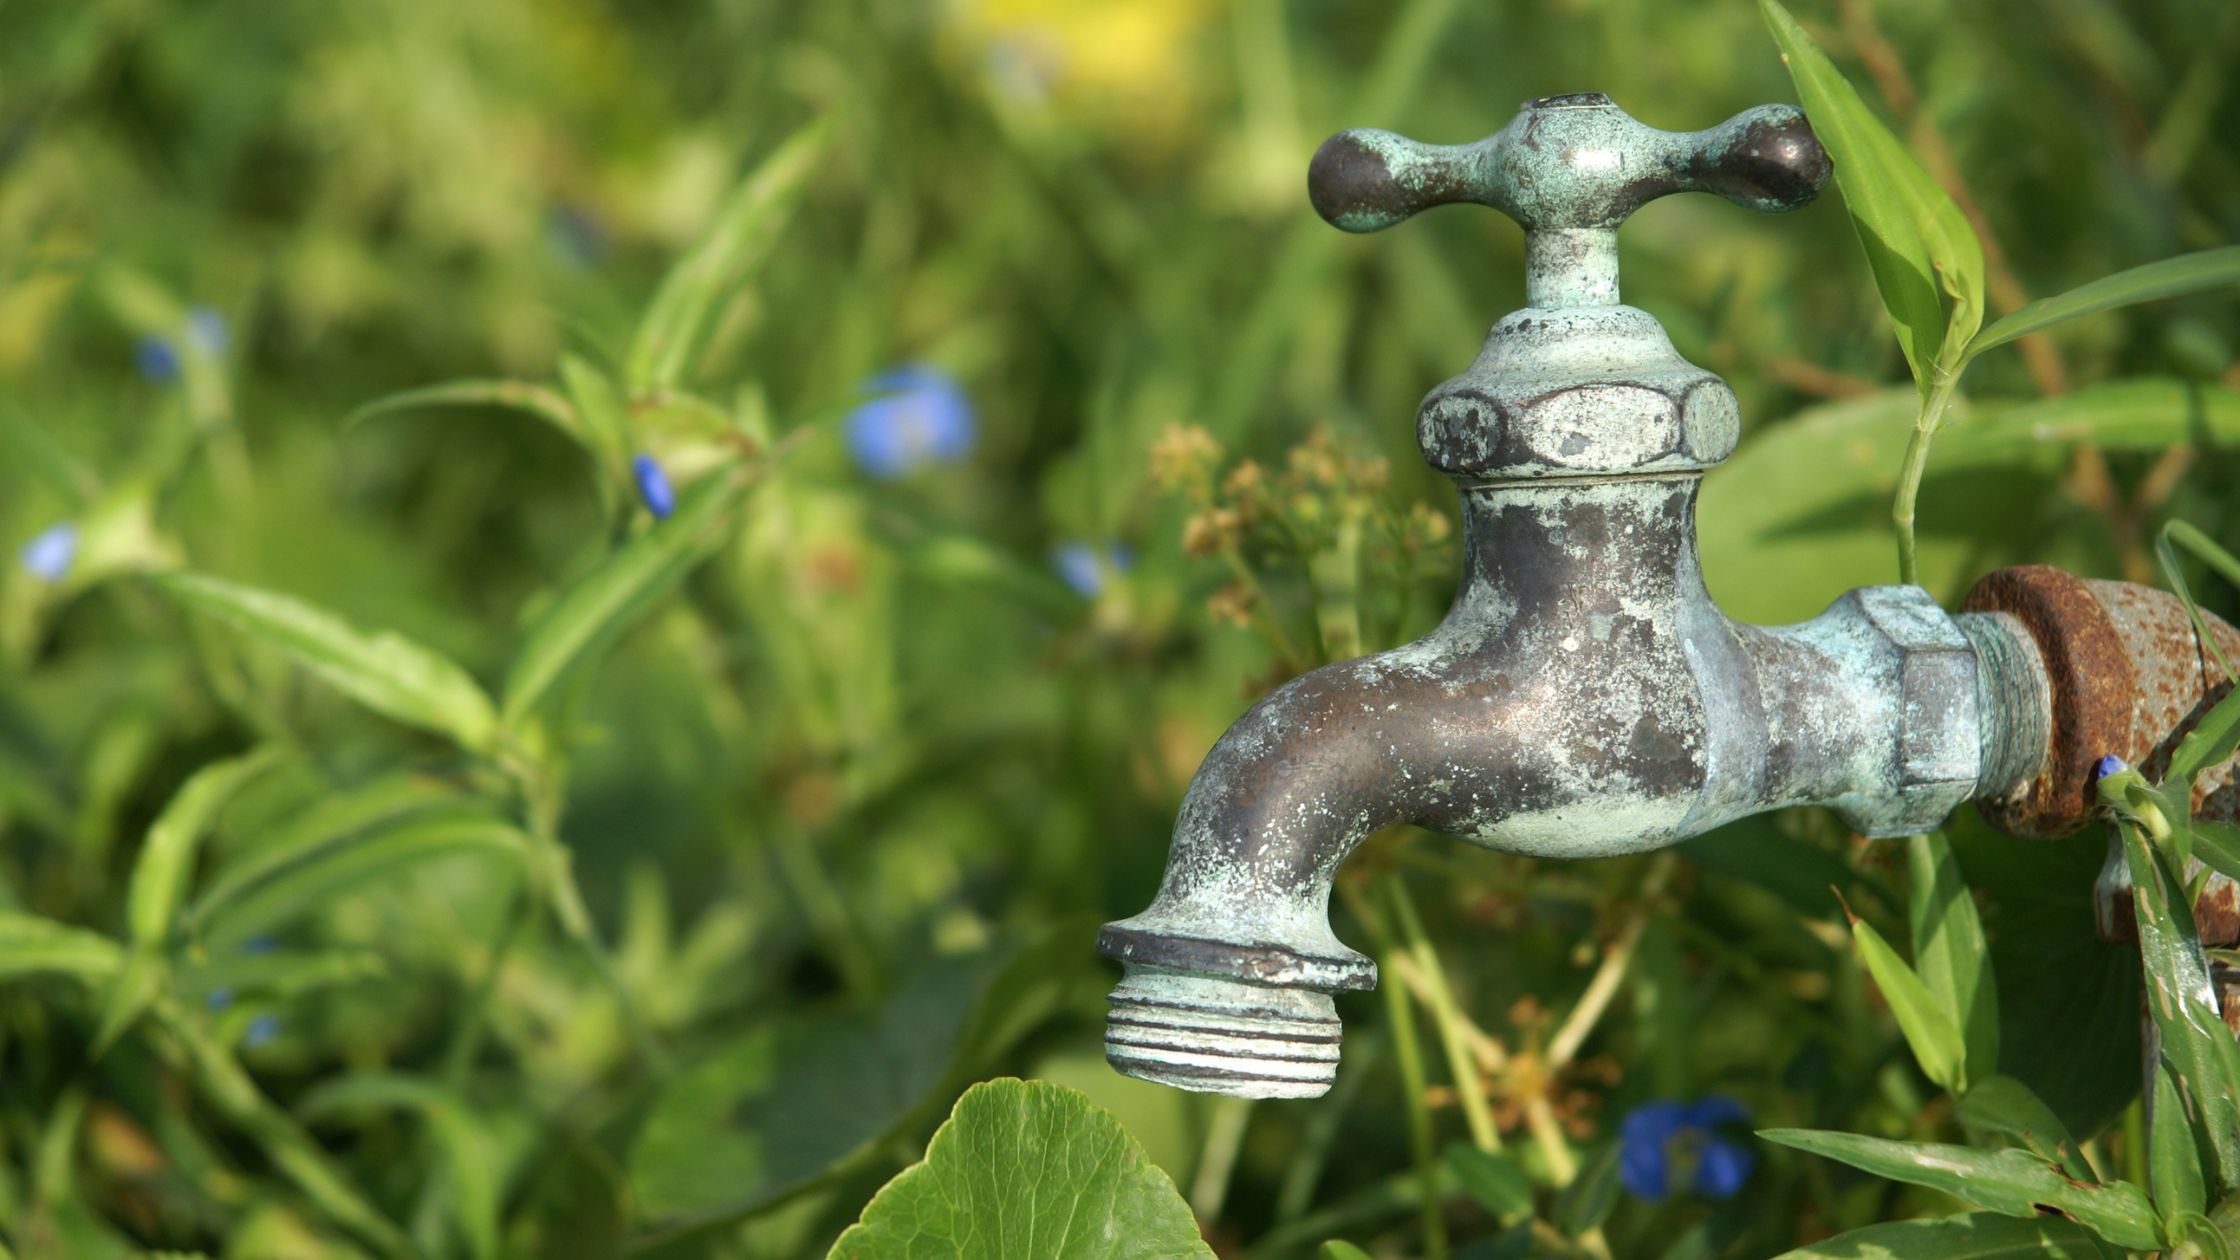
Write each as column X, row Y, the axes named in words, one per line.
column 1569, row 169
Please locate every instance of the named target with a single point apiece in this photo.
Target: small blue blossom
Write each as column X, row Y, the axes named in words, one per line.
column 1666, row 1146
column 1086, row 569
column 157, row 359
column 219, row 999
column 261, row 943
column 206, row 331
column 2110, row 764
column 653, row 487
column 48, row 556
column 261, row 1031
column 576, row 234
column 920, row 418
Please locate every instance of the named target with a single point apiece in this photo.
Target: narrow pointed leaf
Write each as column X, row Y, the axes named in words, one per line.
column 2005, row 1105
column 2137, row 414
column 357, row 864
column 1949, row 951
column 388, row 673
column 333, row 821
column 1935, row 1040
column 2200, row 1052
column 1973, row 1236
column 1918, row 244
column 2211, row 742
column 2217, row 846
column 159, row 879
column 2187, row 273
column 2017, row 1183
column 1499, row 1186
column 32, row 946
column 2173, row 1162
column 614, row 593
column 528, row 397
column 676, row 323
column 1027, row 1168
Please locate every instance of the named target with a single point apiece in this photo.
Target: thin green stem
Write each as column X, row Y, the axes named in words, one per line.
column 466, row 1040
column 1469, row 1087
column 1925, row 426
column 1209, row 1188
column 1410, row 1058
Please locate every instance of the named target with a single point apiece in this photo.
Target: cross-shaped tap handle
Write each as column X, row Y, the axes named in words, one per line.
column 1569, row 169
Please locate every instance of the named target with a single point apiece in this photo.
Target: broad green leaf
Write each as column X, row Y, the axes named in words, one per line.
column 1935, row 1041
column 2187, row 273
column 470, row 1156
column 2014, row 1182
column 795, row 1100
column 1949, row 951
column 2005, row 1105
column 32, row 946
column 1917, row 242
column 2200, row 1052
column 610, row 597
column 1027, row 1168
column 356, row 864
column 1495, row 1182
column 541, row 401
column 160, row 876
column 1973, row 1236
column 676, row 322
column 2173, row 1161
column 387, row 673
column 334, row 820
column 2136, row 414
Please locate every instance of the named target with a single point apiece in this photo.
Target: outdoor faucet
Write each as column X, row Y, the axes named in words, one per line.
column 1584, row 696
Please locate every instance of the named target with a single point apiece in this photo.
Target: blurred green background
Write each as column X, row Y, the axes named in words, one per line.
column 848, row 805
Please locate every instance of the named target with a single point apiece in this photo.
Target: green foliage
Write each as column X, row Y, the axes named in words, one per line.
column 1026, row 1168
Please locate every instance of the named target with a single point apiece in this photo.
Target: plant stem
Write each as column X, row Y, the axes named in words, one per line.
column 1573, row 1033
column 1402, row 1018
column 1469, row 1087
column 1946, row 379
column 1224, row 1137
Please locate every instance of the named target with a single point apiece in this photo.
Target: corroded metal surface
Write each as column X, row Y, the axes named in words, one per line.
column 1569, row 169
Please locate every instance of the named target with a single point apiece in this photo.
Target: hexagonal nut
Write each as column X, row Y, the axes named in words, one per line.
column 1938, row 748
column 1591, row 427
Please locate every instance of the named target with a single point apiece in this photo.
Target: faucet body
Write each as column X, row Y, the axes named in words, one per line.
column 1584, row 697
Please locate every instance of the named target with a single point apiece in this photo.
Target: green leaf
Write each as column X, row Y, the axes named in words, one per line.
column 1973, row 1236
column 470, row 1156
column 1935, row 1040
column 32, row 946
column 2005, row 1105
column 599, row 409
column 677, row 321
column 1586, row 1203
column 159, row 877
column 611, row 596
column 2173, row 1161
column 541, row 401
column 1949, row 951
column 797, row 1100
column 2216, row 845
column 356, row 864
column 1917, row 242
column 387, row 673
column 2010, row 1181
column 2135, row 414
column 2187, row 273
column 2211, row 742
column 1495, row 1182
column 2203, row 1058
column 334, row 820
column 1027, row 1168
column 1340, row 1249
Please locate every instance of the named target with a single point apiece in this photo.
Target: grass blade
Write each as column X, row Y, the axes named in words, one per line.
column 1950, row 954
column 610, row 596
column 470, row 1157
column 2137, row 414
column 2017, row 1183
column 333, row 821
column 2203, row 1058
column 2187, row 273
column 528, row 397
column 1971, row 1236
column 1932, row 1035
column 33, row 946
column 675, row 324
column 385, row 672
column 356, row 864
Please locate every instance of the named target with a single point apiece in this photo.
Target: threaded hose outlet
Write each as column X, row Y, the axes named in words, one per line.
column 1220, row 1035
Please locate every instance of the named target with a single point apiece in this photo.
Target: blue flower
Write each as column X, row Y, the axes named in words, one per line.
column 653, row 487
column 1085, row 568
column 260, row 944
column 157, row 359
column 220, row 998
column 2110, row 764
column 576, row 234
column 261, row 1031
column 48, row 556
column 1666, row 1146
column 920, row 418
column 206, row 331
